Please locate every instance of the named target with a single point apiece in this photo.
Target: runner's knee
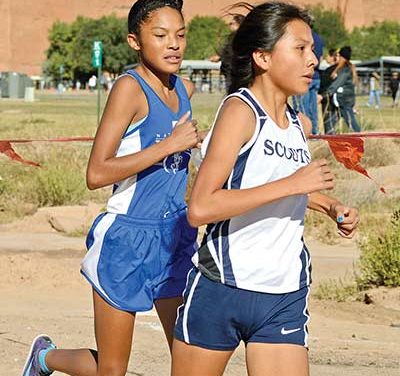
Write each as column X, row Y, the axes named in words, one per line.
column 112, row 369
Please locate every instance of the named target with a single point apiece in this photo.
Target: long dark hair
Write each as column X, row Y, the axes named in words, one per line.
column 262, row 28
column 141, row 10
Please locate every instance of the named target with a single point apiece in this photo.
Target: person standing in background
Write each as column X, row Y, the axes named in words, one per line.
column 394, row 88
column 328, row 108
column 342, row 90
column 310, row 100
column 374, row 90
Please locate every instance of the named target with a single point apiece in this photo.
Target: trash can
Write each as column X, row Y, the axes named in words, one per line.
column 4, row 84
column 29, row 94
column 13, row 84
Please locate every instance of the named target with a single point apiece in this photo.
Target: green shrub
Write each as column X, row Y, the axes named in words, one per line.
column 380, row 256
column 336, row 290
column 57, row 185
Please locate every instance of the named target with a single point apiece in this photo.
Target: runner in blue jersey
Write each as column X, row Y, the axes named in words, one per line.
column 140, row 249
column 252, row 271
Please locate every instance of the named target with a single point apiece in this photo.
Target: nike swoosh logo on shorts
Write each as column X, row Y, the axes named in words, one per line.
column 289, row 331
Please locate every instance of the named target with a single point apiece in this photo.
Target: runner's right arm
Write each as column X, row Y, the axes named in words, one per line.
column 126, row 104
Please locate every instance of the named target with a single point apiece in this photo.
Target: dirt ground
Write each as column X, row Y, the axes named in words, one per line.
column 42, row 291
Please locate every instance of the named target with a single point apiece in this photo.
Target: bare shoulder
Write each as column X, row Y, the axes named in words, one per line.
column 189, row 86
column 236, row 108
column 237, row 117
column 306, row 123
column 127, row 97
column 127, row 84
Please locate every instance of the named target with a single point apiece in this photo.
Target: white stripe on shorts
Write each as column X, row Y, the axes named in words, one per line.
column 308, row 318
column 90, row 262
column 183, row 294
column 187, row 306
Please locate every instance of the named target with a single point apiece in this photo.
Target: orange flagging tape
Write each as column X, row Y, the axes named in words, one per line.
column 64, row 139
column 347, row 148
column 328, row 137
column 7, row 149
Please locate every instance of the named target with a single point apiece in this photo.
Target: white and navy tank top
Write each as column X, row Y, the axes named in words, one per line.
column 159, row 190
column 262, row 250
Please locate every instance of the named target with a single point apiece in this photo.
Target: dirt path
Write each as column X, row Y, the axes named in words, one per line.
column 42, row 291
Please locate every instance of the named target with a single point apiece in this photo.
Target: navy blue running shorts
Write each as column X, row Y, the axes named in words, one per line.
column 217, row 317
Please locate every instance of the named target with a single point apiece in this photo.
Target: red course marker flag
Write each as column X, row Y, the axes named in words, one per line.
column 6, row 148
column 349, row 151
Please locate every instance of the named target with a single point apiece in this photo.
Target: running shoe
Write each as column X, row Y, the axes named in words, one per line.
column 32, row 366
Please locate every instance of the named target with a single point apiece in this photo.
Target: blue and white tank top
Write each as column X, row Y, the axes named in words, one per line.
column 159, row 190
column 262, row 250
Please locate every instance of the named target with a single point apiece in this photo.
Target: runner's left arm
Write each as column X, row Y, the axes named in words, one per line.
column 345, row 217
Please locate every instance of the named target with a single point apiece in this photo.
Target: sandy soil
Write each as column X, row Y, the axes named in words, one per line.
column 42, row 291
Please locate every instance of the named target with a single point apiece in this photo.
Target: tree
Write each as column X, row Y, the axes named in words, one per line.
column 59, row 53
column 71, row 46
column 116, row 51
column 382, row 38
column 329, row 25
column 205, row 36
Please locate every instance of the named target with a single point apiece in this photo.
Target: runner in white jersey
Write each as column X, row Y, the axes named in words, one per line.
column 252, row 275
column 224, row 254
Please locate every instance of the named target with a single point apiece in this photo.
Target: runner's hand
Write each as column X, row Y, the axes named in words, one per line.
column 347, row 219
column 314, row 177
column 184, row 135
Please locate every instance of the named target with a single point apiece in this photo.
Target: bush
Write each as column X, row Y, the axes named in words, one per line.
column 56, row 185
column 338, row 291
column 380, row 256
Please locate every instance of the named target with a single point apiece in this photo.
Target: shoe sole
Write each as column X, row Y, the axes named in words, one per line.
column 30, row 352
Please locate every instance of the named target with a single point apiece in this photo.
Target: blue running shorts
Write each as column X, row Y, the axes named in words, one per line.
column 217, row 317
column 133, row 261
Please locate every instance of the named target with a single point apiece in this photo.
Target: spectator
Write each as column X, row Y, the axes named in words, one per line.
column 310, row 98
column 329, row 60
column 342, row 91
column 328, row 108
column 308, row 103
column 92, row 83
column 394, row 88
column 374, row 90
